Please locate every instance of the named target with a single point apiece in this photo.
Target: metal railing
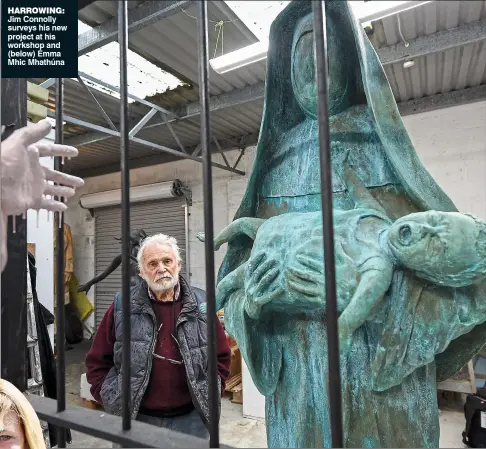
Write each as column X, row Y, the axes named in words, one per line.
column 320, row 39
column 137, row 434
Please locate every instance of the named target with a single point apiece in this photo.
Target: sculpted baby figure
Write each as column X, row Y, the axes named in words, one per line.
column 285, row 271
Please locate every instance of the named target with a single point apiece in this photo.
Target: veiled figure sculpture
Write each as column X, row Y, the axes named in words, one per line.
column 425, row 324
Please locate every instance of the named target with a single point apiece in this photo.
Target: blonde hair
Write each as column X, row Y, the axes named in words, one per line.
column 12, row 399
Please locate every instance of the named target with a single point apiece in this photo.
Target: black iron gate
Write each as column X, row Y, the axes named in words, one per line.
column 137, row 434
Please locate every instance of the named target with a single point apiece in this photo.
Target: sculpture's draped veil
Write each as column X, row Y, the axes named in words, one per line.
column 369, row 85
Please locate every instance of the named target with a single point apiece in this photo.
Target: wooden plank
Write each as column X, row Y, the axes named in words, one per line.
column 459, row 386
column 233, row 382
column 237, row 394
column 86, row 403
column 462, row 382
column 472, row 376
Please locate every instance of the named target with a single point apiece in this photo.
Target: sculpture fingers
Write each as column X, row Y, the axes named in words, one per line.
column 52, row 205
column 62, row 178
column 230, row 284
column 255, row 261
column 28, row 135
column 304, row 275
column 60, row 191
column 54, row 149
column 200, row 236
column 311, row 263
column 257, row 275
column 254, row 307
column 268, row 278
column 84, row 288
column 307, row 289
column 259, row 288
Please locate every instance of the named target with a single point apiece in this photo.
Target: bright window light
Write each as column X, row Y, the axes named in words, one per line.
column 144, row 78
column 365, row 12
column 374, row 10
column 239, row 58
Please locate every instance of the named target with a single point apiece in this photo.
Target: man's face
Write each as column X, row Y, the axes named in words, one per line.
column 160, row 267
column 11, row 431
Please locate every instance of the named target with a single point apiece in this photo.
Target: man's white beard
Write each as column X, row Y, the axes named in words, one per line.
column 162, row 285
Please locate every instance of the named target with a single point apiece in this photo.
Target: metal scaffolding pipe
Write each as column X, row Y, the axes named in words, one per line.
column 208, row 223
column 125, row 214
column 320, row 56
column 60, row 312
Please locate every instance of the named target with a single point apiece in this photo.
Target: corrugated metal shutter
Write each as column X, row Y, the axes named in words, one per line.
column 166, row 216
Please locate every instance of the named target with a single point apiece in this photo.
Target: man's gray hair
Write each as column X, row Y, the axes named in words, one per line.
column 161, row 239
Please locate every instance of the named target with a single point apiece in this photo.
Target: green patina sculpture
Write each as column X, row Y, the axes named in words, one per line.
column 287, row 266
column 411, row 321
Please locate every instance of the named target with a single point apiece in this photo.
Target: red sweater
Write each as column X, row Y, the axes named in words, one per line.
column 167, row 390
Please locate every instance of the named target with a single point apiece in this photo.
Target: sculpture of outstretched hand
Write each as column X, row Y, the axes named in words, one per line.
column 84, row 288
column 26, row 184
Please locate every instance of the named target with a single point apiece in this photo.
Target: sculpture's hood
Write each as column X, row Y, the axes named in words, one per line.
column 282, row 110
column 283, row 113
column 369, row 84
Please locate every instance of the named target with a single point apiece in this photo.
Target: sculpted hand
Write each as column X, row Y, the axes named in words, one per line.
column 305, row 274
column 25, row 182
column 84, row 288
column 260, row 284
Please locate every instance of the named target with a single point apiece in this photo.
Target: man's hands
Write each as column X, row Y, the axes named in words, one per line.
column 25, row 182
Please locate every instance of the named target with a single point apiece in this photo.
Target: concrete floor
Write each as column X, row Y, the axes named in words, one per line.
column 235, row 430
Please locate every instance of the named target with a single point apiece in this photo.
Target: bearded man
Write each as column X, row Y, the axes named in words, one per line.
column 169, row 379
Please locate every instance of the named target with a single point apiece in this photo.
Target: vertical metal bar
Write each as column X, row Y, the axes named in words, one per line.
column 13, row 317
column 320, row 39
column 60, row 315
column 208, row 222
column 188, row 247
column 125, row 213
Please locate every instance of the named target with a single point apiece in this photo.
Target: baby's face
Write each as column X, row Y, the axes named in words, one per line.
column 434, row 244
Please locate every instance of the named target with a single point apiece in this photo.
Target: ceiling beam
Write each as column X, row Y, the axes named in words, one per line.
column 255, row 92
column 83, row 3
column 145, row 15
column 228, row 99
column 437, row 42
column 217, row 102
column 145, row 161
column 440, row 101
column 425, row 104
column 433, row 43
column 424, row 45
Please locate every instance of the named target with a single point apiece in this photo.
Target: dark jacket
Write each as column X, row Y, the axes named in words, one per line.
column 47, row 362
column 191, row 336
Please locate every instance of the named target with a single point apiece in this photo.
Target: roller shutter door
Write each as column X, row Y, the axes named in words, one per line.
column 166, row 216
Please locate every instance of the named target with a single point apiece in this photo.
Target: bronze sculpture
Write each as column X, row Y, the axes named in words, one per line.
column 136, row 237
column 420, row 333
